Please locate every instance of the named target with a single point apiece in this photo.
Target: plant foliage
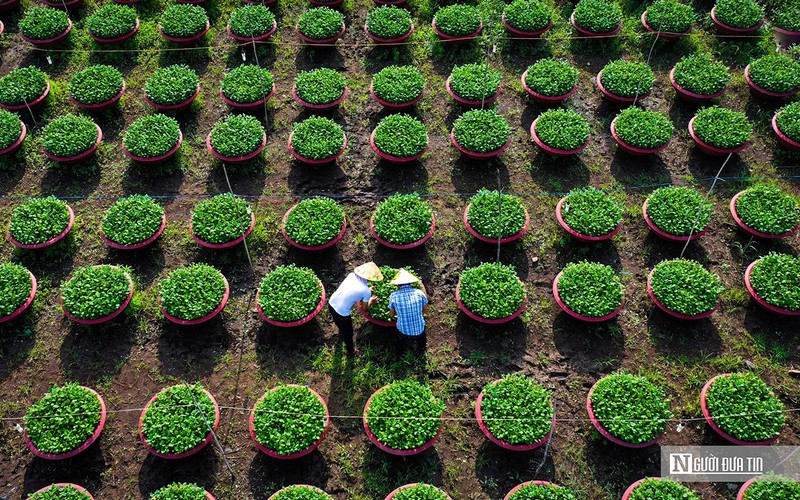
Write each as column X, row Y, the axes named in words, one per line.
column 402, row 219
column 172, row 85
column 95, row 84
column 96, row 291
column 722, row 128
column 767, row 209
column 397, row 84
column 528, row 15
column 37, row 220
column 152, row 135
column 787, row 17
column 179, row 491
column 289, row 419
column 132, row 220
column 222, row 218
column 551, row 77
column 320, row 23
column 289, row 293
column 314, row 221
column 685, row 287
column 10, row 128
column 406, row 398
column 542, row 492
column 179, row 419
column 627, row 78
column 381, row 290
column 670, row 16
column 43, row 23
column 252, row 21
column 401, row 135
column 739, row 13
column 317, row 138
column 743, row 406
column 494, row 215
column 630, row 407
column 562, row 129
column 591, row 212
column 183, row 20
column 247, row 83
column 320, row 86
column 475, row 82
column 590, row 289
column 598, row 16
column 481, row 130
column 517, row 409
column 458, row 20
column 112, row 21
column 78, row 415
column 772, row 490
column 15, row 287
column 643, row 129
column 237, row 135
column 663, row 489
column 69, row 135
column 491, row 290
column 389, row 22
column 22, row 85
column 192, row 292
column 789, row 121
column 420, row 491
column 301, row 492
column 60, row 492
column 679, row 210
column 776, row 279
column 776, row 73
column 701, row 74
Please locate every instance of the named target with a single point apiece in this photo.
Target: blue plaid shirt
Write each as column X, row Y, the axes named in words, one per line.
column 407, row 302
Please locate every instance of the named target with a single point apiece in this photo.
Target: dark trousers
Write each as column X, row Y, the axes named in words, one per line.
column 345, row 326
column 417, row 344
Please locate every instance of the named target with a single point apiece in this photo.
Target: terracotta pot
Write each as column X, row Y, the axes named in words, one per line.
column 481, row 319
column 79, row 488
column 468, row 102
column 708, row 148
column 295, row 244
column 13, row 148
column 79, row 449
column 614, row 98
column 393, row 159
column 662, row 34
column 522, row 33
column 763, row 303
column 68, row 5
column 545, row 99
column 49, row 42
column 500, row 442
column 633, row 150
column 247, row 106
column 309, row 161
column 100, row 106
column 785, row 37
column 325, row 41
column 274, row 496
column 106, row 318
column 493, row 241
column 589, row 319
column 155, row 160
column 301, row 321
column 78, row 157
column 33, row 105
column 141, row 244
column 689, row 96
column 175, row 456
column 764, row 93
column 381, row 41
column 186, row 41
column 580, row 236
column 597, row 425
column 362, row 308
column 392, row 495
column 725, row 29
column 320, row 107
column 785, row 141
column 672, row 313
column 174, row 107
column 743, row 489
column 227, row 244
column 50, row 242
column 455, row 39
column 118, row 39
column 629, row 491
column 406, row 246
column 665, row 235
column 248, row 39
column 236, row 159
column 553, row 151
column 394, row 106
column 392, row 451
column 207, row 317
column 478, row 156
column 592, row 34
column 21, row 309
column 713, row 425
column 750, row 231
column 520, row 486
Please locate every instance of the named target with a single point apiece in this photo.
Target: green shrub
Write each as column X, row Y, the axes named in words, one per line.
column 630, row 407
column 643, row 129
column 421, row 491
column 562, row 129
column 22, row 85
column 80, row 409
column 37, row 220
column 679, row 210
column 314, row 221
column 598, row 16
column 247, row 83
column 252, row 21
column 179, row 491
column 289, row 293
column 320, row 86
column 701, row 74
column 491, row 290
column 112, row 21
column 458, row 20
column 542, row 492
column 406, row 398
column 590, row 289
column 739, row 13
column 776, row 73
column 301, row 492
column 317, row 138
column 183, row 20
column 402, row 219
column 389, row 21
column 787, row 17
column 381, row 290
column 60, row 492
column 96, row 291
column 320, row 23
column 397, row 84
column 789, row 121
column 627, row 78
column 551, row 77
column 43, row 23
column 222, row 218
column 475, row 82
column 289, row 419
column 685, row 287
column 172, row 85
column 768, row 209
column 401, row 136
column 591, row 212
column 494, row 215
column 237, row 135
column 481, row 130
column 776, row 279
column 69, row 135
column 744, row 407
column 10, row 128
column 132, row 220
column 670, row 16
column 772, row 490
column 179, row 419
column 192, row 292
column 152, row 135
column 722, row 128
column 95, row 84
column 664, row 489
column 517, row 409
column 15, row 287
column 528, row 15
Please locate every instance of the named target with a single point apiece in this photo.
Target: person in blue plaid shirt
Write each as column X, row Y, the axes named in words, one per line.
column 408, row 305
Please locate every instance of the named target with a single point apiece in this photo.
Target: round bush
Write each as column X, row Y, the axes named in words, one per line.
column 494, row 215
column 43, row 23
column 112, row 21
column 237, row 135
column 662, row 488
column 314, row 221
column 252, row 21
column 528, row 15
column 743, row 406
column 787, row 17
column 701, row 74
column 475, row 82
column 317, row 138
column 590, row 289
column 60, row 492
column 403, row 219
column 183, row 20
column 95, row 84
column 320, row 86
column 152, row 135
column 192, row 292
column 406, row 398
column 562, row 129
column 776, row 73
column 591, row 212
column 381, row 290
column 458, row 20
column 289, row 293
column 178, row 419
column 132, row 220
column 15, row 287
column 739, row 13
column 388, row 22
column 81, row 409
column 670, row 16
column 320, row 23
column 481, row 130
column 679, row 210
column 517, row 409
column 627, row 78
column 172, row 85
column 630, row 407
column 222, row 218
column 401, row 136
column 420, row 491
column 247, row 83
column 289, row 419
column 551, row 77
column 776, row 279
column 598, row 16
column 542, row 492
column 768, row 209
column 396, row 84
column 22, row 85
column 491, row 290
column 95, row 291
column 301, row 492
column 685, row 287
column 789, row 121
column 179, row 491
column 10, row 128
column 643, row 129
column 37, row 220
column 772, row 490
column 69, row 135
column 722, row 128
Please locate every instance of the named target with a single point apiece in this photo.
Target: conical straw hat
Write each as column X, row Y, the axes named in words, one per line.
column 369, row 271
column 404, row 278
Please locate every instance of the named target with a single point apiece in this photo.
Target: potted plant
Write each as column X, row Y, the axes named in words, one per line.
column 24, row 88
column 737, row 17
column 596, row 18
column 399, row 138
column 624, row 82
column 481, row 134
column 70, row 138
column 765, row 211
column 656, row 487
column 640, row 133
column 515, row 412
column 458, row 23
column 300, row 492
column 527, row 18
column 669, row 18
column 193, row 294
column 742, row 409
column 540, row 490
column 96, row 88
column 771, row 487
column 61, row 438
column 184, row 24
column 290, row 296
column 403, row 436
column 786, row 23
column 132, row 223
column 222, row 221
column 397, row 87
column 677, row 213
column 589, row 215
column 17, row 290
column 774, row 283
column 589, row 291
column 320, row 89
column 388, row 24
column 719, row 131
column 320, row 26
column 40, row 222
column 684, row 289
column 550, row 81
column 61, row 490
column 113, row 23
column 236, row 139
column 786, row 125
column 12, row 133
column 628, row 410
column 252, row 23
column 402, row 222
column 314, row 224
column 172, row 88
column 317, row 141
column 179, row 421
column 152, row 139
column 493, row 217
column 96, row 294
column 474, row 85
column 181, row 491
column 774, row 76
column 415, row 491
column 491, row 293
column 44, row 27
column 699, row 78
column 560, row 132
column 378, row 313
column 247, row 87
column 289, row 421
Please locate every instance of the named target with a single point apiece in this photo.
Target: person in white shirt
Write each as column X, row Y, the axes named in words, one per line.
column 355, row 288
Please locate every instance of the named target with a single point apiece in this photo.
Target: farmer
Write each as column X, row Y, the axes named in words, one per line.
column 355, row 288
column 409, row 304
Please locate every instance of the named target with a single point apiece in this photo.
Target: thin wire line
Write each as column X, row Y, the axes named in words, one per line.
column 700, row 208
